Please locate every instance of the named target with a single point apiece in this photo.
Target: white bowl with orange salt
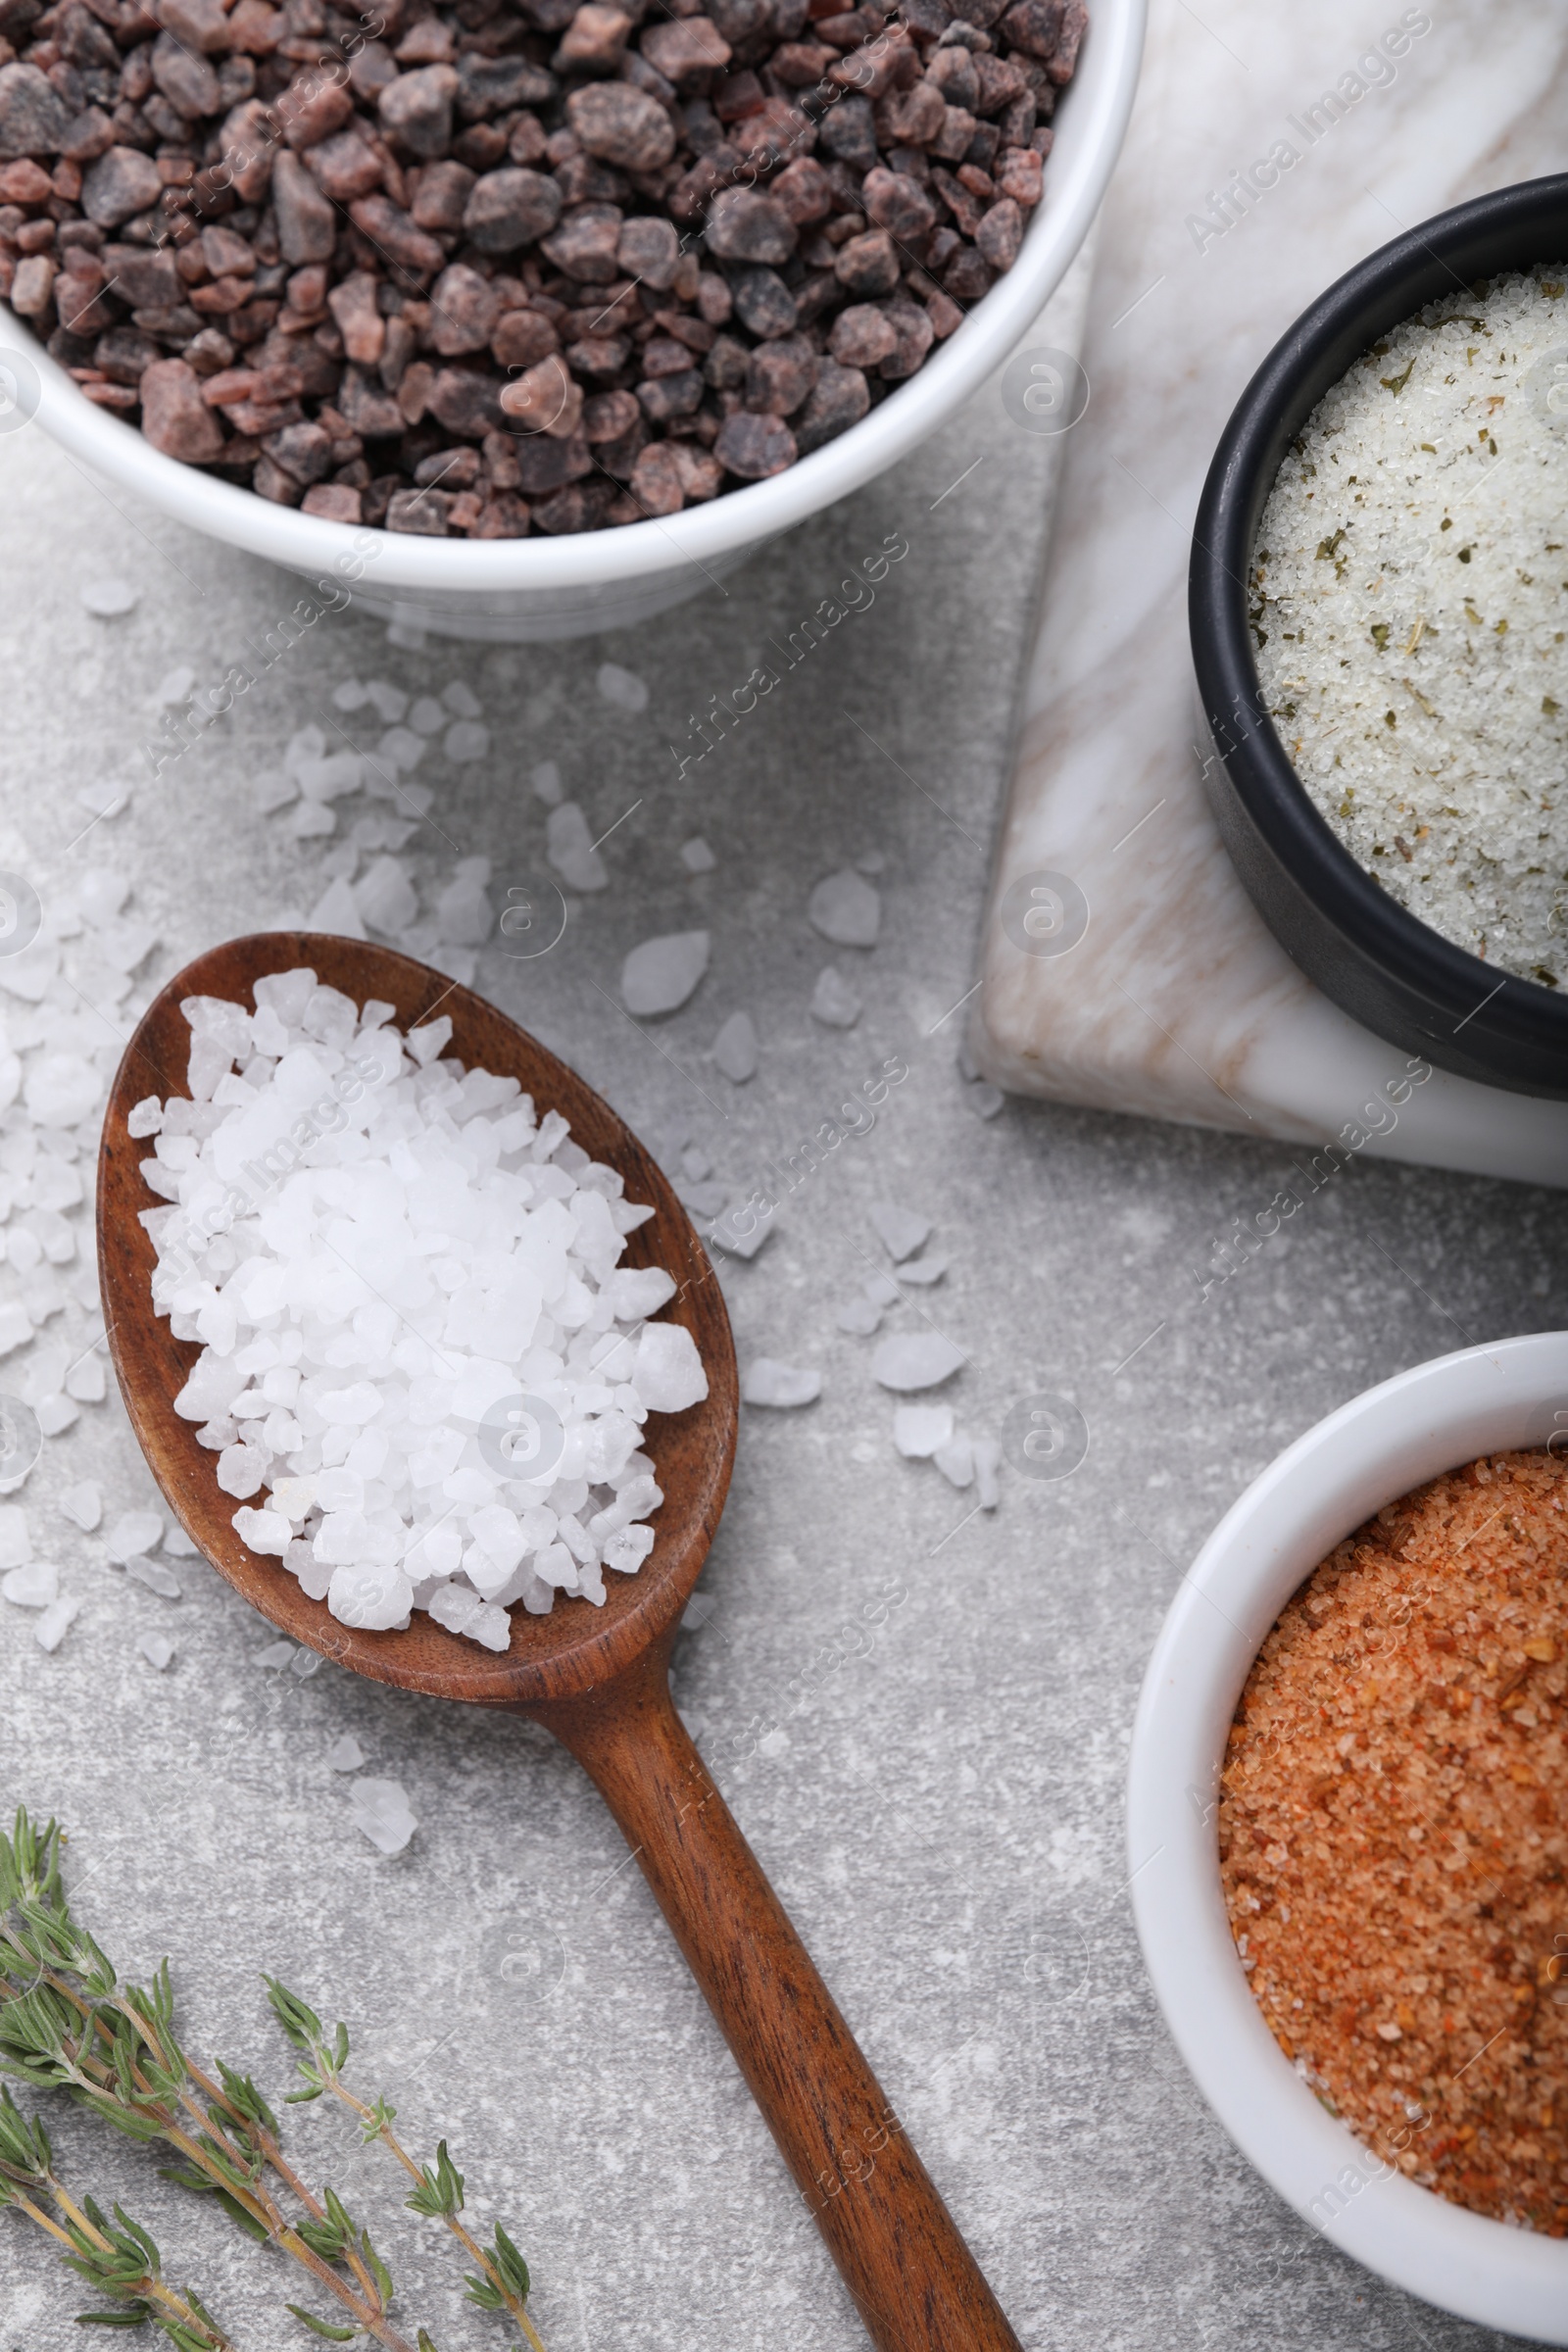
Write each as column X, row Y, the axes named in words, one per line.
column 1459, row 1409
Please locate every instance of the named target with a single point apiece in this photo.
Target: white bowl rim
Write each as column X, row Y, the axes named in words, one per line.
column 1433, row 1416
column 1094, row 117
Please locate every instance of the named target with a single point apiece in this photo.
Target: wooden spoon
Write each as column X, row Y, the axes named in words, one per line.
column 597, row 1678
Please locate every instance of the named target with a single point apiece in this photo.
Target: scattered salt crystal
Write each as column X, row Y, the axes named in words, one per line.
column 133, row 1532
column 465, row 740
column 956, row 1461
column 153, row 1575
column 85, row 1379
column 919, row 1430
column 858, row 1316
column 107, row 599
column 83, row 1504
column 984, row 1101
column 61, row 1089
column 16, row 1324
column 834, row 1001
column 34, row 1587
column 100, row 893
column 901, row 1231
column 349, row 696
column 306, row 743
column 916, row 1359
column 54, row 1622
column 568, row 846
column 623, row 688
column 385, row 897
column 55, row 1413
column 399, row 750
column 381, row 1811
column 986, row 1462
column 695, row 856
column 311, row 821
column 156, row 1649
column 178, row 1545
column 660, row 974
column 175, row 686
column 744, row 1226
column 547, row 783
column 16, row 1543
column 389, row 703
column 768, row 1382
column 272, row 789
column 426, row 715
column 457, row 963
column 846, row 909
column 337, row 911
column 331, row 776
column 924, row 1271
column 274, row 1657
column 345, row 1753
column 107, row 798
column 735, row 1049
column 464, row 916
column 462, row 701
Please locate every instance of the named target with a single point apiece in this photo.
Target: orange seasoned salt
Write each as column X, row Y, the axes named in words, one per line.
column 1394, row 1836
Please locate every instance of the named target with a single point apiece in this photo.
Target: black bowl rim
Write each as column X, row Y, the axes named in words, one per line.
column 1391, row 284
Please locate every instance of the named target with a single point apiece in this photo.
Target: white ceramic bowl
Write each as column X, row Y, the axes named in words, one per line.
column 1371, row 1451
column 524, row 590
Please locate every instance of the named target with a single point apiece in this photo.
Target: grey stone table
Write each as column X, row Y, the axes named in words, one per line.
column 939, row 1806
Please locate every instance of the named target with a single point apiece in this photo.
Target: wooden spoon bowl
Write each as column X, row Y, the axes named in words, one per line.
column 597, row 1678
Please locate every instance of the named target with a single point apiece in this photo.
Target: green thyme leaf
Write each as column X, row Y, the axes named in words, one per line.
column 510, row 2263
column 334, row 2335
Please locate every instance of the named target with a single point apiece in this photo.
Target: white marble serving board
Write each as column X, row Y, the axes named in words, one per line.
column 1177, row 1003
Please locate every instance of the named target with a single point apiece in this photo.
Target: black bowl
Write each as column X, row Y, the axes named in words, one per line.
column 1384, row 966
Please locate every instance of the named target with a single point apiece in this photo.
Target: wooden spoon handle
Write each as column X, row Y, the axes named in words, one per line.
column 916, row 2282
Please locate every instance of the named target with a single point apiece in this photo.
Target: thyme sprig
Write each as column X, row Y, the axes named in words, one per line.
column 119, row 2258
column 503, row 2282
column 66, row 2024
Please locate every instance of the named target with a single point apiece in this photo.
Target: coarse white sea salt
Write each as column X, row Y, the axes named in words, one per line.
column 83, row 1504
column 766, row 1380
column 916, row 1359
column 735, row 1049
column 55, row 1621
column 156, row 1649
column 133, row 1532
column 381, row 1811
column 424, row 1372
column 34, row 1587
column 901, row 1231
column 921, row 1429
column 569, row 847
column 846, row 909
column 660, row 974
column 1408, row 599
column 624, row 689
column 345, row 1753
column 834, row 1001
column 695, row 856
